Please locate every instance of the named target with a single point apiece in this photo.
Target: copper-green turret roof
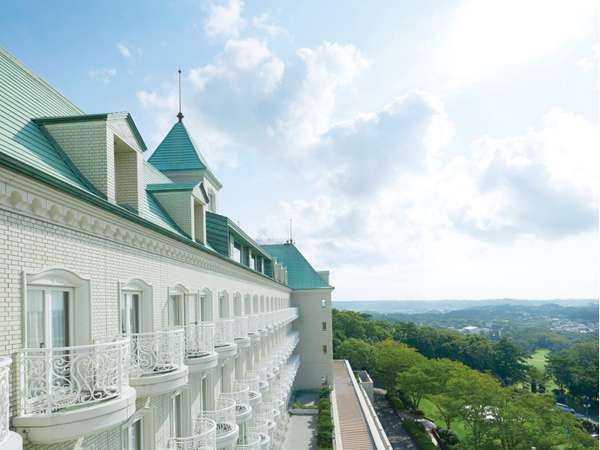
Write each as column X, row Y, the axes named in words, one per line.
column 178, row 151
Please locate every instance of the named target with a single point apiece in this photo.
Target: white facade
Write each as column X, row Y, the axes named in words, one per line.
column 237, row 329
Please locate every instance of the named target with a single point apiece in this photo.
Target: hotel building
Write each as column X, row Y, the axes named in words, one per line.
column 133, row 315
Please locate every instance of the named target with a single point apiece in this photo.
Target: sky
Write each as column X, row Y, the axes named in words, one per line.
column 423, row 150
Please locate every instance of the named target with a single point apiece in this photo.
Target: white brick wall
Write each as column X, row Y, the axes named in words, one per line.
column 30, row 244
column 86, row 145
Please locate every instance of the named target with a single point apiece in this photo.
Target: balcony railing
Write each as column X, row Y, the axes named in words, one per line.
column 224, row 332
column 156, row 352
column 4, row 397
column 53, row 379
column 250, row 441
column 240, row 394
column 199, row 339
column 204, row 436
column 240, row 328
column 223, row 415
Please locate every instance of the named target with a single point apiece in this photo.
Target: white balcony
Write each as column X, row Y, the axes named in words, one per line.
column 250, row 441
column 260, row 426
column 156, row 362
column 225, row 344
column 239, row 393
column 240, row 331
column 70, row 391
column 224, row 416
column 253, row 381
column 200, row 352
column 9, row 440
column 203, row 437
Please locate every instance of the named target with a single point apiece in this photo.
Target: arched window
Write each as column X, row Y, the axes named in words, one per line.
column 206, row 305
column 247, row 304
column 57, row 310
column 176, row 306
column 224, row 310
column 237, row 304
column 135, row 308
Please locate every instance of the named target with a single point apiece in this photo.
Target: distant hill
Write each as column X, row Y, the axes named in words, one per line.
column 424, row 306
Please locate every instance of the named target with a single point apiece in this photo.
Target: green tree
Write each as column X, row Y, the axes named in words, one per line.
column 509, row 362
column 391, row 358
column 414, row 383
column 481, row 395
column 357, row 352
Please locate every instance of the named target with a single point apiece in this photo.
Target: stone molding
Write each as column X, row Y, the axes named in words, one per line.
column 29, row 198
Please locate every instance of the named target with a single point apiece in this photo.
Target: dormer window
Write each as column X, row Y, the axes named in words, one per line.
column 199, row 222
column 126, row 174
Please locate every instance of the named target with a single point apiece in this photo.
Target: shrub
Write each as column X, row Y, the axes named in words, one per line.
column 396, row 402
column 449, row 437
column 418, row 434
column 324, row 422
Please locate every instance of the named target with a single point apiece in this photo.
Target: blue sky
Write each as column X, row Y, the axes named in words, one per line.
column 423, row 149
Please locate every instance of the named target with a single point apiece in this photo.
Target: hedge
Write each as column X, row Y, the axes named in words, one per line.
column 324, row 421
column 419, row 435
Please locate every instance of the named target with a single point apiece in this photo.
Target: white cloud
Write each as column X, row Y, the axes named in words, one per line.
column 485, row 36
column 329, row 67
column 265, row 24
column 591, row 62
column 246, row 54
column 542, row 183
column 271, row 73
column 124, row 50
column 225, row 19
column 103, row 74
column 369, row 151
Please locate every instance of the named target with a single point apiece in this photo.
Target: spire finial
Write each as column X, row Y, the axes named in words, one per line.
column 179, row 114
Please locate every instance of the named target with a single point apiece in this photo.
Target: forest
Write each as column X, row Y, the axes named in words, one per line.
column 482, row 393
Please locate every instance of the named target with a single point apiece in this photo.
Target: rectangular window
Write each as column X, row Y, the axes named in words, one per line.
column 236, row 254
column 324, row 326
column 323, row 303
column 49, row 321
column 134, row 435
column 176, row 430
column 325, row 349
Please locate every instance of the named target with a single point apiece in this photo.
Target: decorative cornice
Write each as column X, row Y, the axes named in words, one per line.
column 28, row 198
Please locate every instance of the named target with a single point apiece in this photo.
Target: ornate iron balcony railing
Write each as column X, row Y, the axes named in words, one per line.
column 156, row 352
column 223, row 415
column 4, row 397
column 204, row 436
column 224, row 332
column 52, row 379
column 199, row 339
column 250, row 441
column 240, row 328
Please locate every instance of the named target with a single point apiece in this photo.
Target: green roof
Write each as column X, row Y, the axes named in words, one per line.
column 89, row 117
column 28, row 149
column 219, row 228
column 177, row 151
column 301, row 275
column 164, row 187
column 24, row 96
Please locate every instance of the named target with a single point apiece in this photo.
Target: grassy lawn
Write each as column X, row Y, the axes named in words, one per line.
column 430, row 411
column 538, row 360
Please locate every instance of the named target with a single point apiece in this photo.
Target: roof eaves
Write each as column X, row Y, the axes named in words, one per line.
column 27, row 170
column 171, row 187
column 75, row 118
